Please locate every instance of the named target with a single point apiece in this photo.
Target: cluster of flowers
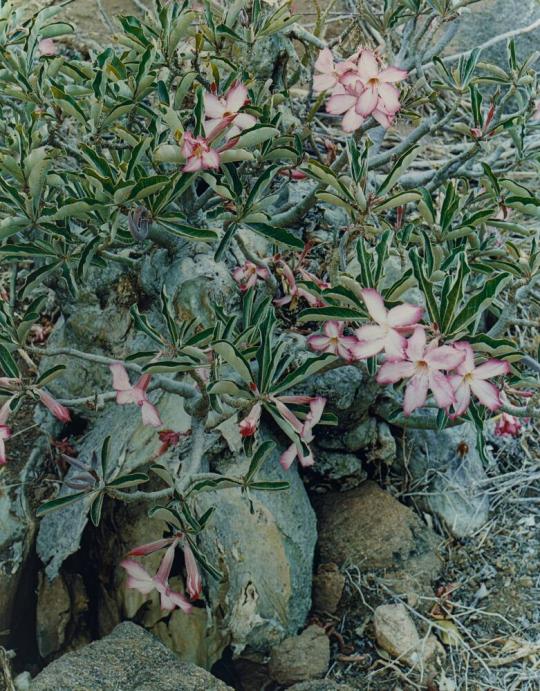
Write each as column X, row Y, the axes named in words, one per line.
column 222, row 114
column 448, row 371
column 358, row 88
column 141, row 580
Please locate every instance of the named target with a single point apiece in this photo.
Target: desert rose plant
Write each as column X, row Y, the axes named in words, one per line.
column 172, row 136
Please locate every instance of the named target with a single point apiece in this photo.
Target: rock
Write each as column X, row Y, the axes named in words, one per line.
column 17, row 533
column 328, row 585
column 302, row 657
column 493, row 17
column 265, row 549
column 322, row 685
column 129, row 658
column 367, row 527
column 448, row 472
column 349, row 391
column 396, row 633
column 335, row 465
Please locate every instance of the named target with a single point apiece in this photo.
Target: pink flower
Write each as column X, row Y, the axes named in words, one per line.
column 379, row 93
column 198, row 154
column 295, row 291
column 59, row 411
column 365, row 91
column 333, row 341
column 507, row 425
column 126, row 393
column 386, row 334
column 10, row 383
column 194, row 581
column 246, row 276
column 250, row 424
column 304, row 430
column 47, row 47
column 224, row 111
column 470, row 378
column 423, row 367
column 5, row 430
column 331, row 74
column 140, row 579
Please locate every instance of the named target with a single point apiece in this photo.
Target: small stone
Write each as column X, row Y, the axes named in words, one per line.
column 301, row 658
column 396, row 633
column 328, row 587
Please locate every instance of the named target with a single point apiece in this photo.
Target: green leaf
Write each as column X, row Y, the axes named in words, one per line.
column 279, row 235
column 270, row 486
column 58, row 503
column 258, row 459
column 305, row 370
column 425, row 286
column 312, row 314
column 473, row 308
column 235, row 359
column 399, row 167
column 96, row 508
column 178, row 227
column 128, row 480
column 50, row 374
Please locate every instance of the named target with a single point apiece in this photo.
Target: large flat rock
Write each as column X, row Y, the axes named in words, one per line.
column 128, row 659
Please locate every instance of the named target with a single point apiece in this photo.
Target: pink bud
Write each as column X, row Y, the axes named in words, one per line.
column 57, row 409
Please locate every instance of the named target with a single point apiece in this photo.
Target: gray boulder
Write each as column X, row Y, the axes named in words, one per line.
column 491, row 18
column 130, row 659
column 448, row 473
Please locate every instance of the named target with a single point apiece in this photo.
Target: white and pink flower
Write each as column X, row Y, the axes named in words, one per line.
column 471, row 379
column 508, row 425
column 199, row 154
column 127, row 393
column 247, row 275
column 294, row 291
column 304, row 429
column 224, row 111
column 424, row 367
column 141, row 580
column 250, row 424
column 333, row 341
column 359, row 88
column 387, row 332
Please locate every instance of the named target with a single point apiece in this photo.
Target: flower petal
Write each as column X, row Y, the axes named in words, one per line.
column 325, row 61
column 138, row 577
column 405, row 315
column 288, row 456
column 365, row 349
column 210, row 159
column 179, row 601
column 462, row 393
column 416, row 345
column 368, row 67
column 351, row 121
column 394, row 345
column 468, row 363
column 393, row 74
column 367, row 101
column 120, row 377
column 236, row 97
column 394, row 371
column 444, row 357
column 150, row 415
column 370, row 332
column 319, row 342
column 150, row 547
column 374, row 305
column 388, row 99
column 487, row 393
column 491, row 368
column 213, row 106
column 340, row 103
column 323, row 82
column 441, row 388
column 383, row 119
column 415, row 393
column 164, row 571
